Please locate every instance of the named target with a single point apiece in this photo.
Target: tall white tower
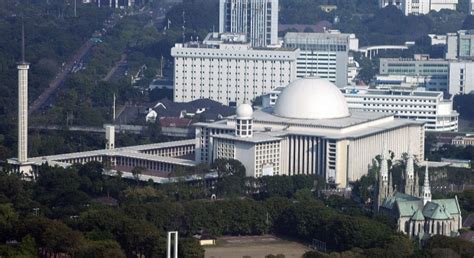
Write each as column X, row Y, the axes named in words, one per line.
column 23, row 68
column 426, row 192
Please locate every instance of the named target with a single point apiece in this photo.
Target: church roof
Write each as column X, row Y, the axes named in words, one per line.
column 408, row 208
column 441, row 209
column 418, row 216
column 389, row 202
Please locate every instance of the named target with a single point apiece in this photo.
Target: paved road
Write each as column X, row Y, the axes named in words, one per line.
column 56, row 82
column 120, row 63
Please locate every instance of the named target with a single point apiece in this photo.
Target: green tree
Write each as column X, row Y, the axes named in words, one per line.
column 190, row 247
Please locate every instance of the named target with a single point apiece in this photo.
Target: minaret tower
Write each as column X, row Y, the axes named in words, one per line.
column 23, row 68
column 426, row 192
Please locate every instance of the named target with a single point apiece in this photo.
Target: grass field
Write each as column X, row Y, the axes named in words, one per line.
column 254, row 247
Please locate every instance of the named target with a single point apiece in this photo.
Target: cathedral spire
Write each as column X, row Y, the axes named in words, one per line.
column 426, row 192
column 410, row 171
column 410, row 180
column 384, row 165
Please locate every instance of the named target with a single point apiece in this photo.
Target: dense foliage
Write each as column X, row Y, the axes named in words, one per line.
column 64, row 212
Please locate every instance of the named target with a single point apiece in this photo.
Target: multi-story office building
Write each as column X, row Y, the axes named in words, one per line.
column 426, row 106
column 325, row 55
column 460, row 45
column 418, row 7
column 225, row 68
column 258, row 19
column 420, row 71
column 461, row 77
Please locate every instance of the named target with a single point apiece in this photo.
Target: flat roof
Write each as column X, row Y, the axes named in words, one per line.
column 407, row 93
column 258, row 137
column 131, row 152
column 356, row 117
column 326, row 128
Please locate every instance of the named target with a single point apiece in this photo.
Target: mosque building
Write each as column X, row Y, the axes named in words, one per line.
column 310, row 130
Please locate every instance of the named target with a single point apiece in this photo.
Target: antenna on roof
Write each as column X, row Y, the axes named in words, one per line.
column 22, row 41
column 184, row 27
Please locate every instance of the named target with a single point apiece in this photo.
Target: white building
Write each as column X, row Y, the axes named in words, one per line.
column 460, row 45
column 325, row 55
column 419, row 7
column 426, row 106
column 258, row 19
column 420, row 71
column 310, row 130
column 461, row 77
column 228, row 70
column 471, row 7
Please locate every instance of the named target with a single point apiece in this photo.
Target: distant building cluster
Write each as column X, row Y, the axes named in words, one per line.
column 452, row 76
column 418, row 7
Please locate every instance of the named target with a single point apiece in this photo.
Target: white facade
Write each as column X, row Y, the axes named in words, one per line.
column 23, row 112
column 429, row 107
column 419, row 7
column 460, row 45
column 230, row 72
column 420, row 71
column 471, row 7
column 461, row 77
column 325, row 55
column 425, row 106
column 338, row 148
column 258, row 19
column 438, row 5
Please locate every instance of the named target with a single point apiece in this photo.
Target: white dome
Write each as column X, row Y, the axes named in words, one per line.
column 311, row 98
column 244, row 111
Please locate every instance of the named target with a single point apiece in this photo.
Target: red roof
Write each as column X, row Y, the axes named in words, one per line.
column 175, row 122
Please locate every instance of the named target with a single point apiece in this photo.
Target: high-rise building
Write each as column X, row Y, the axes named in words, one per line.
column 258, row 19
column 325, row 55
column 423, row 71
column 225, row 68
column 461, row 77
column 418, row 7
column 460, row 45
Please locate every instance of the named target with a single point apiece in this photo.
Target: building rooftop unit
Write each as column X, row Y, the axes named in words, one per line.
column 230, row 41
column 352, row 90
